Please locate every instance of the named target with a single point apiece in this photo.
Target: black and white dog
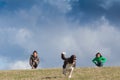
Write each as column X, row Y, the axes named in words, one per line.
column 69, row 64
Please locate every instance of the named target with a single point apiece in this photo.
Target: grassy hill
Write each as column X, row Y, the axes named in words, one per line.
column 106, row 73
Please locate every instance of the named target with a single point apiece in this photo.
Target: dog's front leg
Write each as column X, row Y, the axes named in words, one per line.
column 70, row 74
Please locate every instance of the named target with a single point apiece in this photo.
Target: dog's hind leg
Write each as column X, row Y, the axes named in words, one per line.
column 64, row 71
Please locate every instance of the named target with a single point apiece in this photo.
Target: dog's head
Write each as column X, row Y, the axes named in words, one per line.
column 73, row 58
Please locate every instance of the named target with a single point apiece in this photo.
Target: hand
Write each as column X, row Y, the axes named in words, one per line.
column 95, row 62
column 35, row 61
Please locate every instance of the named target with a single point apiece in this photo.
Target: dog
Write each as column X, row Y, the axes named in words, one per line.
column 69, row 64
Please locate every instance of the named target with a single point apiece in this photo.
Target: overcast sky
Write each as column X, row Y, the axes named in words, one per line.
column 81, row 27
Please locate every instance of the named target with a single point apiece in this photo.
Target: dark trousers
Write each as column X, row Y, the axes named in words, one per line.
column 99, row 64
column 35, row 65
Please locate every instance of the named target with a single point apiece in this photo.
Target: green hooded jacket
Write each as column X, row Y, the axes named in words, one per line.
column 99, row 59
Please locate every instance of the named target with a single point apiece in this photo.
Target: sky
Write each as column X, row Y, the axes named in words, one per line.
column 80, row 27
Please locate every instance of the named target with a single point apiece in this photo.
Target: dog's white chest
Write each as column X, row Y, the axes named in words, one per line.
column 69, row 66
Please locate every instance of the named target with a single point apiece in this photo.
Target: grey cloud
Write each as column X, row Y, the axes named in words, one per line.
column 83, row 41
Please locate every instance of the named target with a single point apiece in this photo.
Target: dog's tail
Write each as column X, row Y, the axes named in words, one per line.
column 63, row 55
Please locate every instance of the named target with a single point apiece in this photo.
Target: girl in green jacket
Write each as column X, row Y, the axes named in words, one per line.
column 99, row 60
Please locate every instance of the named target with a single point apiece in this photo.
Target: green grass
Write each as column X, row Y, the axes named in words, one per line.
column 105, row 73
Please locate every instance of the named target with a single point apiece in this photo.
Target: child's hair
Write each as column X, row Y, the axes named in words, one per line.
column 98, row 54
column 35, row 51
